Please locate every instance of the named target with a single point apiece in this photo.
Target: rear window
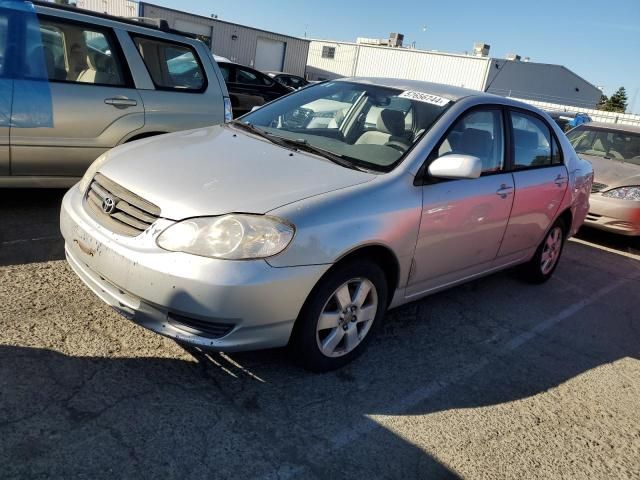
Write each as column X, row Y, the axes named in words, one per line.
column 172, row 66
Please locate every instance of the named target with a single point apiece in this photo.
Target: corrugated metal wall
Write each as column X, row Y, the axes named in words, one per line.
column 542, row 82
column 370, row 61
column 120, row 8
column 236, row 42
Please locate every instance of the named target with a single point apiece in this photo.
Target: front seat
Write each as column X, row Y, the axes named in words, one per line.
column 476, row 142
column 389, row 129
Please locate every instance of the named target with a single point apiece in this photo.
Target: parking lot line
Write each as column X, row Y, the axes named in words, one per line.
column 606, row 249
column 369, row 424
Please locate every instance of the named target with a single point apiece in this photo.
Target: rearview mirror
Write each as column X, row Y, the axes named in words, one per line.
column 456, row 166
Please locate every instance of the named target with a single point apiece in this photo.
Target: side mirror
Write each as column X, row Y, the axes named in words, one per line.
column 456, row 166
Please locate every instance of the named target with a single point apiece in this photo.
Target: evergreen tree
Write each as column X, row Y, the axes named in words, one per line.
column 618, row 101
column 603, row 101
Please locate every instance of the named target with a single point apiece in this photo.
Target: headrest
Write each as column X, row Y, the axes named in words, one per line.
column 476, row 142
column 391, row 121
column 525, row 139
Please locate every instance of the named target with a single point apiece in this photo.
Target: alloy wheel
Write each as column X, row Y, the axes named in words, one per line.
column 347, row 317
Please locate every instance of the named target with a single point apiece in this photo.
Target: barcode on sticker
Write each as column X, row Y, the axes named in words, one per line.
column 425, row 97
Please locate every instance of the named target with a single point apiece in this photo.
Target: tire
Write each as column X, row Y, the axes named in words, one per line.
column 541, row 267
column 351, row 319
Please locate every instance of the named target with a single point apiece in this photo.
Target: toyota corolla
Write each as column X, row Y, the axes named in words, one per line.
column 285, row 229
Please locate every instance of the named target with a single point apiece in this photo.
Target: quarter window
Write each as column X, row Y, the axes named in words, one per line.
column 532, row 142
column 172, row 66
column 61, row 51
column 479, row 133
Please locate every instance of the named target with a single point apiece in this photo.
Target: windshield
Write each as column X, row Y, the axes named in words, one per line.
column 605, row 143
column 370, row 126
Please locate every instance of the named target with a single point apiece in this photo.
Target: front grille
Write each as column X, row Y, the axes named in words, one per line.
column 598, row 187
column 201, row 328
column 594, row 217
column 125, row 213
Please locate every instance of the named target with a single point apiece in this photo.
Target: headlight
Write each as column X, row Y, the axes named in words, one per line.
column 91, row 171
column 624, row 193
column 231, row 237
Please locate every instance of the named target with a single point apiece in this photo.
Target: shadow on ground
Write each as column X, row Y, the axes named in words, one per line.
column 256, row 415
column 30, row 226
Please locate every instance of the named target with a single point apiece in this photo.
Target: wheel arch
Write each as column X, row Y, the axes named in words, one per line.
column 379, row 254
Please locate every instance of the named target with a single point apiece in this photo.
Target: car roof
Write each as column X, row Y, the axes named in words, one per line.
column 615, row 126
column 446, row 91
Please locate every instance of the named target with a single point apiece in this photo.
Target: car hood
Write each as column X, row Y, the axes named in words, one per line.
column 219, row 170
column 613, row 173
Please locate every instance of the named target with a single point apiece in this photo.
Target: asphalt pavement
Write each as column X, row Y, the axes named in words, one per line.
column 492, row 379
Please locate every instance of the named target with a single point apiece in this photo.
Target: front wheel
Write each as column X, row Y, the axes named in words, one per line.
column 340, row 316
column 541, row 267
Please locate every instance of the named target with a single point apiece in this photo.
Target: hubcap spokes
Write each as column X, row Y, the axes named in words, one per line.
column 347, row 317
column 551, row 250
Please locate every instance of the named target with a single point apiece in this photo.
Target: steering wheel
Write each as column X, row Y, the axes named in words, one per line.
column 615, row 154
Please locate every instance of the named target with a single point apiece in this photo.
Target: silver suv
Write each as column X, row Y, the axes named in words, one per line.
column 74, row 84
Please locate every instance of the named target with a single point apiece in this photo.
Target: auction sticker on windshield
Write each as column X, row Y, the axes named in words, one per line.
column 425, row 97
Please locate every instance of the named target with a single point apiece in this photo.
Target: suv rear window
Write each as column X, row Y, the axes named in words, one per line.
column 172, row 66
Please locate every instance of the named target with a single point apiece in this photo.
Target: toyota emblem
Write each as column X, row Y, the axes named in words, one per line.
column 108, row 205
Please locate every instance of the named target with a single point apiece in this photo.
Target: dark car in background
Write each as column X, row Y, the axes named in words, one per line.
column 569, row 120
column 249, row 88
column 289, row 80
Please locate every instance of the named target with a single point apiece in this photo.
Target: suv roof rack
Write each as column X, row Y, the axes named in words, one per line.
column 159, row 24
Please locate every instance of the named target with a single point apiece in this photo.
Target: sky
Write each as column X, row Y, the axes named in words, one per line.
column 598, row 40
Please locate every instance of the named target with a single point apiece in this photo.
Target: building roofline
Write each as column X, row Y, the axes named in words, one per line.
column 174, row 10
column 400, row 49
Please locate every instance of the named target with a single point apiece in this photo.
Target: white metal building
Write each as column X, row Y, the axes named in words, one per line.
column 525, row 80
column 266, row 51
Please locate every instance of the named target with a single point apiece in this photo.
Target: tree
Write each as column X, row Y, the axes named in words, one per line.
column 616, row 103
column 603, row 101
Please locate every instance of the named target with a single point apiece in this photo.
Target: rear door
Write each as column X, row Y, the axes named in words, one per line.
column 6, row 93
column 183, row 91
column 540, row 178
column 74, row 100
column 252, row 88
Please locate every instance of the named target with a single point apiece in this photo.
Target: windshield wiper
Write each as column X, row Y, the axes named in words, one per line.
column 304, row 145
column 249, row 127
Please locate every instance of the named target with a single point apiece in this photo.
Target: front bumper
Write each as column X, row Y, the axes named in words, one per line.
column 219, row 304
column 614, row 215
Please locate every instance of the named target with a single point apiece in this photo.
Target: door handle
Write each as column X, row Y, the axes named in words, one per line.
column 504, row 191
column 121, row 102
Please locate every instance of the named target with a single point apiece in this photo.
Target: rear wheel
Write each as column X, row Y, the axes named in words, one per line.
column 340, row 316
column 541, row 267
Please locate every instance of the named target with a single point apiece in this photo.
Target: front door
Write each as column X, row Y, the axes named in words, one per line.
column 463, row 221
column 74, row 99
column 541, row 181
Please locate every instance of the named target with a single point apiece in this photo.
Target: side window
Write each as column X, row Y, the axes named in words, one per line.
column 225, row 72
column 479, row 133
column 61, row 51
column 171, row 66
column 249, row 77
column 531, row 141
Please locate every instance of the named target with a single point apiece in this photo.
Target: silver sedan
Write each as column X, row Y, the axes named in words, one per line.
column 286, row 229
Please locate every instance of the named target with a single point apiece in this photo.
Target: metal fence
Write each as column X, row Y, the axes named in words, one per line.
column 596, row 115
